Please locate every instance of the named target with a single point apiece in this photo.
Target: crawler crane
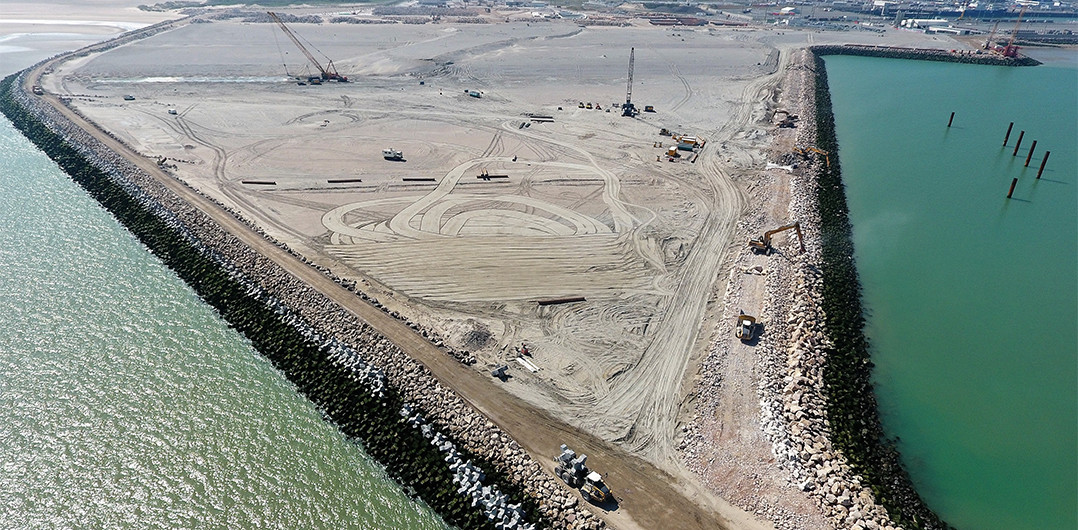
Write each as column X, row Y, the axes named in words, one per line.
column 329, row 72
column 1010, row 50
column 628, row 109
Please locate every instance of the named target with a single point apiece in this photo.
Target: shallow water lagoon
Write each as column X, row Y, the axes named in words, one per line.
column 972, row 298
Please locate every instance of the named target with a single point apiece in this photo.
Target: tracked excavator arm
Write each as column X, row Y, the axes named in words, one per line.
column 764, row 244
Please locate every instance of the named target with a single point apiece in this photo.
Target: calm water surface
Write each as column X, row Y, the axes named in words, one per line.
column 972, row 299
column 126, row 402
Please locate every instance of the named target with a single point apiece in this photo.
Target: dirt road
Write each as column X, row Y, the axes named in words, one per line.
column 649, row 498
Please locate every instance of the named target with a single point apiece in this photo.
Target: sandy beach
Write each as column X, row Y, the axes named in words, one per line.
column 586, row 204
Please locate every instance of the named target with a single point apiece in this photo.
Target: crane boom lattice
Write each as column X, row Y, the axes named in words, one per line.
column 329, row 72
column 1010, row 50
column 629, row 109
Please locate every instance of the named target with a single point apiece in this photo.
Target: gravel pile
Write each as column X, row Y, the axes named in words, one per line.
column 791, row 361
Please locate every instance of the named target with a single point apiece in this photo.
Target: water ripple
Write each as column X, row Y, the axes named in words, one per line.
column 126, row 402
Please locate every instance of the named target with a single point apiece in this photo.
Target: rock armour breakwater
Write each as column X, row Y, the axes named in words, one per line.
column 851, row 404
column 923, row 54
column 308, row 337
column 816, row 402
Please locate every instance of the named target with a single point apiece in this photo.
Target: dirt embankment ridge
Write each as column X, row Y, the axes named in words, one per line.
column 763, row 431
column 486, row 422
column 811, row 372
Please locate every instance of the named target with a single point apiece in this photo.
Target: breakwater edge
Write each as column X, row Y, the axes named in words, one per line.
column 333, row 357
column 852, row 415
column 851, row 403
column 816, row 401
column 924, row 54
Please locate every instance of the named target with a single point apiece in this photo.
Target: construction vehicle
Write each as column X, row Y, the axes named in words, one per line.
column 628, row 109
column 764, row 244
column 746, row 327
column 581, row 105
column 588, row 105
column 1010, row 50
column 392, row 154
column 649, row 108
column 685, row 142
column 804, row 152
column 788, row 121
column 328, row 73
column 573, row 470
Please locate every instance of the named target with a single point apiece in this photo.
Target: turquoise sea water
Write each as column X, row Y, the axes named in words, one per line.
column 972, row 298
column 127, row 402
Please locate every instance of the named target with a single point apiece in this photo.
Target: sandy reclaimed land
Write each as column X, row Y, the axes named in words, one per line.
column 90, row 18
column 31, row 31
column 586, row 210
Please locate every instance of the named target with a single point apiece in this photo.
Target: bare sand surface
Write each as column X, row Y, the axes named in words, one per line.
column 86, row 17
column 587, row 209
column 31, row 31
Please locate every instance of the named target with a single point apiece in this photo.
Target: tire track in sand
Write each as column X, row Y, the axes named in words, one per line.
column 641, row 409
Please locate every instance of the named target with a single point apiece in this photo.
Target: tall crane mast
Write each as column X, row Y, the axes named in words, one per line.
column 1010, row 50
column 628, row 109
column 329, row 73
column 988, row 41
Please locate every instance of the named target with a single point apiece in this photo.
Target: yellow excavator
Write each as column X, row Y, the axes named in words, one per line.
column 805, row 153
column 764, row 244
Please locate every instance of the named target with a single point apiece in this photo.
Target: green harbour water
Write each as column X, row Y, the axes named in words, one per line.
column 127, row 402
column 971, row 299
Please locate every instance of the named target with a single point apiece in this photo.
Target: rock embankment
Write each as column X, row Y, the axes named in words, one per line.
column 279, row 305
column 851, row 403
column 813, row 372
column 924, row 54
column 793, row 397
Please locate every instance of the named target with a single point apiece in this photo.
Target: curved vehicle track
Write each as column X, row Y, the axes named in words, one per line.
column 642, row 405
column 648, row 496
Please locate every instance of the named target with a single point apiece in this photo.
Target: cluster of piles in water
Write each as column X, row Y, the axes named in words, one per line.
column 923, row 54
column 356, row 376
